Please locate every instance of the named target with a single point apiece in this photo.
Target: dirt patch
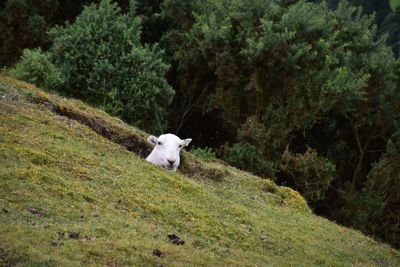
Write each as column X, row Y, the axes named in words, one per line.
column 176, row 240
column 133, row 143
column 73, row 235
column 36, row 211
column 195, row 168
column 157, row 252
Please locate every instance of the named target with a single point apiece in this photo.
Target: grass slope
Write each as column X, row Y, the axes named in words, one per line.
column 58, row 176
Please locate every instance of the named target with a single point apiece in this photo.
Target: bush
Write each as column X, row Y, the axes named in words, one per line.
column 248, row 157
column 23, row 24
column 204, row 153
column 102, row 61
column 35, row 66
column 375, row 210
column 310, row 173
column 288, row 72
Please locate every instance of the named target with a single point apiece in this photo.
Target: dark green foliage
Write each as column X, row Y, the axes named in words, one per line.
column 297, row 74
column 391, row 26
column 35, row 66
column 376, row 208
column 384, row 183
column 25, row 24
column 204, row 153
column 310, row 173
column 248, row 157
column 102, row 61
column 381, row 8
column 153, row 26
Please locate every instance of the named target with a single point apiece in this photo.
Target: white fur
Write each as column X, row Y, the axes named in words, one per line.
column 166, row 150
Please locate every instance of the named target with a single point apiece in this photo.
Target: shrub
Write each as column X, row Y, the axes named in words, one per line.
column 310, row 173
column 23, row 24
column 246, row 156
column 102, row 61
column 204, row 153
column 288, row 72
column 375, row 209
column 35, row 66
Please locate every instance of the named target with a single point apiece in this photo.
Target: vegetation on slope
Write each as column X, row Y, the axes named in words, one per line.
column 303, row 92
column 70, row 196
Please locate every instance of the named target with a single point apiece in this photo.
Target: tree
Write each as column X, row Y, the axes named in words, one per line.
column 391, row 26
column 102, row 60
column 287, row 73
column 25, row 24
column 374, row 210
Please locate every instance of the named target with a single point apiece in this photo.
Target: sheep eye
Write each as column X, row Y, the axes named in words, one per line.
column 159, row 143
column 180, row 146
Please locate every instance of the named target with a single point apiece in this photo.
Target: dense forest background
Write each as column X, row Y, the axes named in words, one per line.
column 303, row 92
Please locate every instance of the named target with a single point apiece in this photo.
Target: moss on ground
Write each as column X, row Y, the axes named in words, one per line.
column 72, row 194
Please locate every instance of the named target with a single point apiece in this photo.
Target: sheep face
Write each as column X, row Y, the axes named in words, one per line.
column 166, row 150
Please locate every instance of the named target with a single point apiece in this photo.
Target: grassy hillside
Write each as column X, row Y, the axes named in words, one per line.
column 72, row 193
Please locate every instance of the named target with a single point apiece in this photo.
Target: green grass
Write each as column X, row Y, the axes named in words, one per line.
column 123, row 207
column 394, row 4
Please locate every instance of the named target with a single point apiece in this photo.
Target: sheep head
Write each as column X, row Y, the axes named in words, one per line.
column 166, row 150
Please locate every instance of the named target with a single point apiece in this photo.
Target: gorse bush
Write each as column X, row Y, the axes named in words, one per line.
column 23, row 24
column 248, row 157
column 376, row 208
column 204, row 153
column 294, row 73
column 391, row 26
column 35, row 66
column 310, row 173
column 102, row 61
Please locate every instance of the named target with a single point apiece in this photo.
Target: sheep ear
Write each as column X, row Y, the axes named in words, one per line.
column 152, row 140
column 186, row 142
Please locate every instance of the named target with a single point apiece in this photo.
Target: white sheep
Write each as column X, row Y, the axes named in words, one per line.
column 166, row 150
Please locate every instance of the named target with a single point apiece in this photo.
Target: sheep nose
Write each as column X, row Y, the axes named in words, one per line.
column 171, row 162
